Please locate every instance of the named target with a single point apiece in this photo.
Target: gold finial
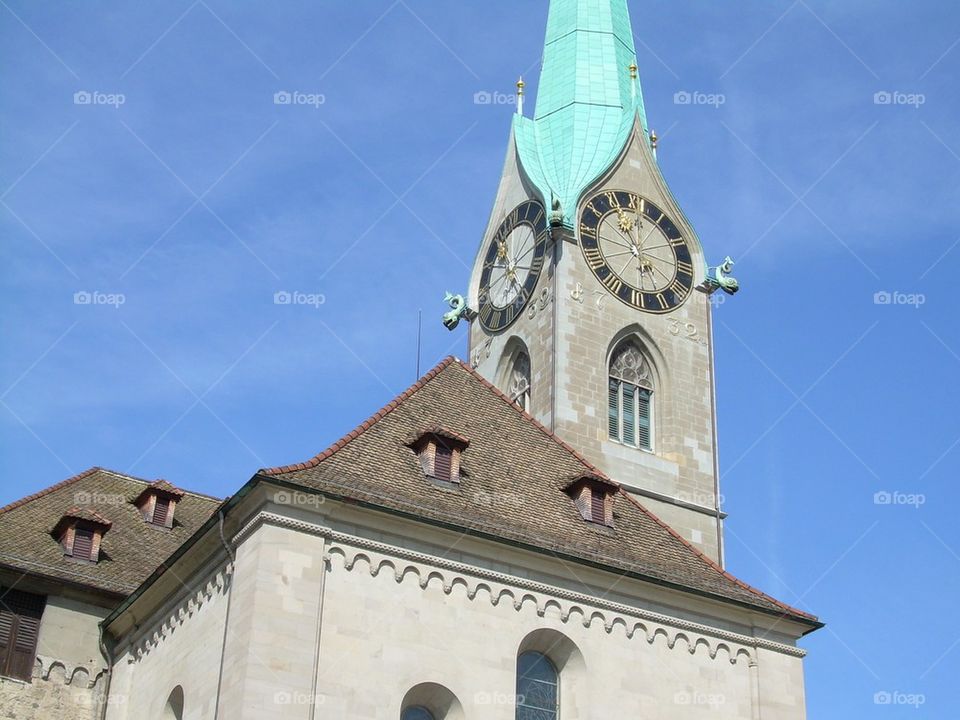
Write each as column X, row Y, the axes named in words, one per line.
column 633, row 71
column 653, row 139
column 520, row 86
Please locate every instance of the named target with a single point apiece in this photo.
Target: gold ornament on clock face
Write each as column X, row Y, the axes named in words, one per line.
column 636, row 251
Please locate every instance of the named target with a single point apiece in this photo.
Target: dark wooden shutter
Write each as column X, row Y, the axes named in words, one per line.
column 160, row 511
column 443, row 463
column 83, row 543
column 20, row 614
column 597, row 501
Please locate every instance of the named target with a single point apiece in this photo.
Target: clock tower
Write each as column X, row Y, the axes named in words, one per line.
column 591, row 287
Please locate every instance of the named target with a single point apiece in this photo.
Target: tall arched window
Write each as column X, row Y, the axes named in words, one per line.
column 538, row 689
column 630, row 397
column 520, row 381
column 417, row 713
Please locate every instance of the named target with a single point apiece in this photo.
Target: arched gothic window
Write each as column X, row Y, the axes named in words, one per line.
column 417, row 713
column 538, row 688
column 174, row 707
column 520, row 381
column 630, row 399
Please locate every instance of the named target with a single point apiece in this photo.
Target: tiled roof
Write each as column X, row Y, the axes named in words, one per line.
column 131, row 550
column 516, row 471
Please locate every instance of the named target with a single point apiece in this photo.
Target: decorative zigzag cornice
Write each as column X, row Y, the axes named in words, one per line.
column 541, row 596
column 175, row 615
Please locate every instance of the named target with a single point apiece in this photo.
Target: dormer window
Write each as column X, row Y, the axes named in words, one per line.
column 593, row 496
column 440, row 453
column 80, row 533
column 158, row 503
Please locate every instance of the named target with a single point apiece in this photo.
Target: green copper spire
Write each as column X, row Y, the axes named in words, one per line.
column 587, row 100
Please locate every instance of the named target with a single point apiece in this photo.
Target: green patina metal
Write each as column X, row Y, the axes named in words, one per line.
column 587, row 100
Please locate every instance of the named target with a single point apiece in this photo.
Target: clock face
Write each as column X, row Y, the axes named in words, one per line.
column 512, row 265
column 636, row 251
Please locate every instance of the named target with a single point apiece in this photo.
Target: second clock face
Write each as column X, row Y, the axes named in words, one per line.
column 636, row 251
column 512, row 265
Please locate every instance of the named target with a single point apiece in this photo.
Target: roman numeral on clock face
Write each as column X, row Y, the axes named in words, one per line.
column 613, row 283
column 594, row 258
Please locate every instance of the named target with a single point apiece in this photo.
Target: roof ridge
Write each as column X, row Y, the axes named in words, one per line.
column 713, row 563
column 50, row 489
column 365, row 425
column 87, row 473
column 543, row 428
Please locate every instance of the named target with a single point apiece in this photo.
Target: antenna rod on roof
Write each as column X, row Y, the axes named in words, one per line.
column 419, row 332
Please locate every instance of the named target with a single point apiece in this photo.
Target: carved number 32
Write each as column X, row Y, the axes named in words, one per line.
column 688, row 330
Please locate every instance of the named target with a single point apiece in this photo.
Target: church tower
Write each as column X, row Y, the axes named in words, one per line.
column 590, row 285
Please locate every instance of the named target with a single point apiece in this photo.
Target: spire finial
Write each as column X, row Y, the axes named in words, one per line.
column 633, row 71
column 520, row 86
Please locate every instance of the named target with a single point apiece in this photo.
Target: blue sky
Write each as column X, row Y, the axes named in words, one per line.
column 181, row 199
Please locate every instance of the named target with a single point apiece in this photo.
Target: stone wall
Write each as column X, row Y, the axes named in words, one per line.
column 181, row 646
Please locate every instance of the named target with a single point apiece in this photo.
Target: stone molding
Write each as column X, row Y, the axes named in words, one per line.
column 521, row 591
column 51, row 669
column 216, row 583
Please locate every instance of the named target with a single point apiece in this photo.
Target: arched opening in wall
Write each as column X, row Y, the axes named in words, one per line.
column 430, row 701
column 630, row 395
column 173, row 710
column 514, row 374
column 551, row 678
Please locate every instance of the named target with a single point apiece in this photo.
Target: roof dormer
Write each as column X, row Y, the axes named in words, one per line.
column 80, row 532
column 593, row 495
column 440, row 452
column 158, row 502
